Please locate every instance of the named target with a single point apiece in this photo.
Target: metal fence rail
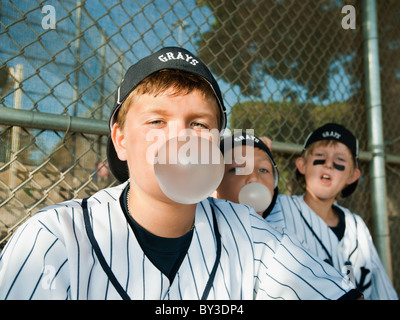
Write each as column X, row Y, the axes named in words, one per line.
column 284, row 67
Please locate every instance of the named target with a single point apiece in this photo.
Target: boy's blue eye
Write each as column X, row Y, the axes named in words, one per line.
column 198, row 124
column 155, row 122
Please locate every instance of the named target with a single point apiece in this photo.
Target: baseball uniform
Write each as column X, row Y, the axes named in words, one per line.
column 51, row 257
column 353, row 252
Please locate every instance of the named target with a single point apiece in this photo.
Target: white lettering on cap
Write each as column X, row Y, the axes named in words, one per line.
column 170, row 56
column 332, row 134
column 247, row 137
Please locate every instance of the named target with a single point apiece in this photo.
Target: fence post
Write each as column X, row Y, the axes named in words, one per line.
column 17, row 74
column 375, row 133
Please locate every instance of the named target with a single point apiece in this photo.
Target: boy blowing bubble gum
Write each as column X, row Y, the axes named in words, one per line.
column 133, row 242
column 264, row 169
column 328, row 168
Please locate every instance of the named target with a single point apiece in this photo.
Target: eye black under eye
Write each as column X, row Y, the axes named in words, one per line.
column 319, row 162
column 338, row 166
column 335, row 165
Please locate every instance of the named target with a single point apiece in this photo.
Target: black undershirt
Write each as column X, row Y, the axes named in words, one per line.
column 339, row 229
column 166, row 254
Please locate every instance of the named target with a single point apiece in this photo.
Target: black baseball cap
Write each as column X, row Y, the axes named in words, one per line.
column 172, row 58
column 242, row 138
column 334, row 131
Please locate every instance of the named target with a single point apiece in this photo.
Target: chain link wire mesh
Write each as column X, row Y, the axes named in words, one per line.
column 285, row 67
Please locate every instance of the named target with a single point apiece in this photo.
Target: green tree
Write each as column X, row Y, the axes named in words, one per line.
column 298, row 41
column 291, row 121
column 302, row 45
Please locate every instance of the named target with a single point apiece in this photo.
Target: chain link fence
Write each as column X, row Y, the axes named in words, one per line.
column 285, row 67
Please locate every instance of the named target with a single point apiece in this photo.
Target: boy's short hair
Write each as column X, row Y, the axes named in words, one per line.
column 181, row 83
column 170, row 58
column 325, row 135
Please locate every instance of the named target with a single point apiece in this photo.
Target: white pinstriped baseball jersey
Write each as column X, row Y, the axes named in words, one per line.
column 356, row 246
column 50, row 257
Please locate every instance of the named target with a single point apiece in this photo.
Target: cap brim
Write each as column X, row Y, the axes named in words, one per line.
column 117, row 167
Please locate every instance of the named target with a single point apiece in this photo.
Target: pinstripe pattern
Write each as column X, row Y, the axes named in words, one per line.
column 356, row 245
column 257, row 262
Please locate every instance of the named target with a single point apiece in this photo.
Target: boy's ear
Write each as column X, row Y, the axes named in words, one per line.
column 354, row 177
column 118, row 139
column 300, row 164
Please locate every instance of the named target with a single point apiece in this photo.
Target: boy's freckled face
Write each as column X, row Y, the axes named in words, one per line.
column 232, row 182
column 166, row 114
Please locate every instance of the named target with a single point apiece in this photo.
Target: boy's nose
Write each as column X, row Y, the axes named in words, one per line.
column 329, row 163
column 252, row 177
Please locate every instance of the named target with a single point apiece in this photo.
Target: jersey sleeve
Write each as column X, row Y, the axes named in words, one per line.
column 286, row 271
column 381, row 286
column 33, row 264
